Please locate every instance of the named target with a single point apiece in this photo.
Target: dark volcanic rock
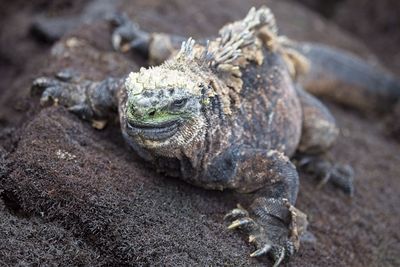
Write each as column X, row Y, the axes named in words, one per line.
column 89, row 183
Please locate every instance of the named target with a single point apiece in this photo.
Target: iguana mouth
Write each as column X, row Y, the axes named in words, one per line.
column 154, row 131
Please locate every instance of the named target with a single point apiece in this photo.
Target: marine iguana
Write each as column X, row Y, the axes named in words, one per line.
column 230, row 113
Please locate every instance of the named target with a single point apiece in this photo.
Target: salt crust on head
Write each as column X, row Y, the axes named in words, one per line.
column 159, row 77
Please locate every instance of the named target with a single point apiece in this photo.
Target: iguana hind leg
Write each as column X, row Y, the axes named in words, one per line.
column 318, row 135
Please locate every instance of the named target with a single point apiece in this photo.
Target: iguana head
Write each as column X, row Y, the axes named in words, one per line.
column 164, row 107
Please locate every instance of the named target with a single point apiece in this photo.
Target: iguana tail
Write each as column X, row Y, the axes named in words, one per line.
column 347, row 79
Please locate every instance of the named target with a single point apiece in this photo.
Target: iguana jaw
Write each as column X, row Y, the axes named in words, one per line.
column 164, row 120
column 150, row 130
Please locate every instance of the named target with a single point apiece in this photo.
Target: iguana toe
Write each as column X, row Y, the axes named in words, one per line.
column 237, row 213
column 268, row 232
column 341, row 175
column 127, row 34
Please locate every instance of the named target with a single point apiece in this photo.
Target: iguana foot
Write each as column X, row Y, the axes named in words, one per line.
column 273, row 225
column 341, row 175
column 127, row 35
column 92, row 101
column 63, row 89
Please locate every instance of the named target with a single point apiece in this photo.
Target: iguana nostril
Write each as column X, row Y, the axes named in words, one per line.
column 133, row 110
column 148, row 93
column 152, row 113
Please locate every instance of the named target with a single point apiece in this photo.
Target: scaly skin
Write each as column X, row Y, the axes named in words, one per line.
column 224, row 115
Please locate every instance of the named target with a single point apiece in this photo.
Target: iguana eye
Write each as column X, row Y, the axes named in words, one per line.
column 179, row 103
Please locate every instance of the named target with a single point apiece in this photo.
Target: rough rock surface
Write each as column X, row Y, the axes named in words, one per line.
column 73, row 195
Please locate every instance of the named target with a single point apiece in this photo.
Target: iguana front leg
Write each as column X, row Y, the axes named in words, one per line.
column 271, row 221
column 93, row 101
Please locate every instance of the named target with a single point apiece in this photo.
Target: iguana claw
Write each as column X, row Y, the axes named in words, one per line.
column 271, row 234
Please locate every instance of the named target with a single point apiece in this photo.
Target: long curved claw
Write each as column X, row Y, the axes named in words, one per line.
column 125, row 33
column 116, row 41
column 129, row 37
column 252, row 239
column 280, row 258
column 236, row 214
column 65, row 75
column 261, row 251
column 341, row 175
column 41, row 84
column 83, row 111
column 50, row 95
column 273, row 228
column 325, row 179
column 118, row 21
column 241, row 222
